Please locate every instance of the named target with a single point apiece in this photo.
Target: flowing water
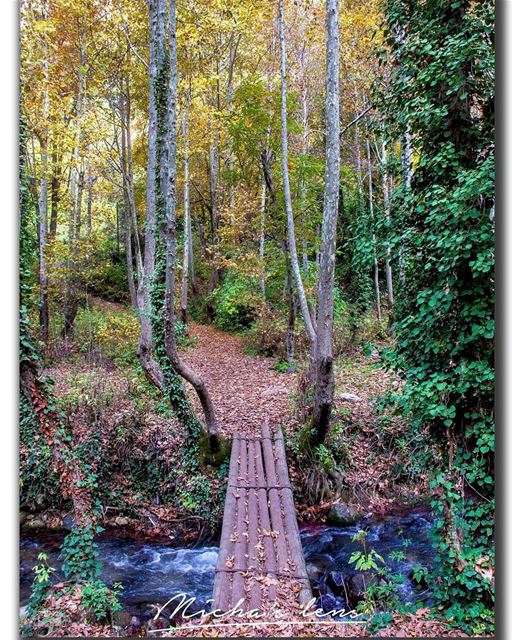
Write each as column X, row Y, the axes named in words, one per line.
column 153, row 572
column 403, row 541
column 150, row 572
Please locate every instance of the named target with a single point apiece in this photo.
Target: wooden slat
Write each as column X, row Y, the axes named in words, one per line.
column 274, row 502
column 252, row 562
column 268, row 543
column 290, row 517
column 253, row 522
column 220, row 587
column 241, row 529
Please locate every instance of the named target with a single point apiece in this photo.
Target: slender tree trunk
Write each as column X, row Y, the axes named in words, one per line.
column 374, row 240
column 186, row 222
column 292, row 245
column 129, row 255
column 261, row 253
column 387, row 212
column 127, row 211
column 201, row 234
column 79, row 201
column 370, row 202
column 90, row 183
column 43, row 273
column 407, row 179
column 145, row 348
column 168, row 160
column 214, row 222
column 43, row 205
column 304, row 150
column 55, row 190
column 290, row 329
column 191, row 270
column 323, row 352
column 118, row 238
column 233, row 45
column 129, row 177
column 76, row 186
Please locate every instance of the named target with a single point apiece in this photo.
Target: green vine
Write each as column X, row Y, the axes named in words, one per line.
column 440, row 57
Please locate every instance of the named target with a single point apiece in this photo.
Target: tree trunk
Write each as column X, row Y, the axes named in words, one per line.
column 304, row 150
column 78, row 217
column 129, row 255
column 55, row 190
column 76, row 186
column 374, row 240
column 261, row 252
column 129, row 177
column 290, row 329
column 323, row 352
column 214, row 223
column 370, row 202
column 168, row 160
column 387, row 212
column 90, row 183
column 145, row 347
column 191, row 270
column 43, row 206
column 127, row 212
column 186, row 222
column 162, row 167
column 407, row 179
column 292, row 245
column 233, row 46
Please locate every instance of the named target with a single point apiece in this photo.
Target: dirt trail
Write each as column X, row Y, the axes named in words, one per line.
column 245, row 390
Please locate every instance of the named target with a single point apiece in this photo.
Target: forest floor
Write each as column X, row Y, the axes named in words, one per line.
column 245, row 390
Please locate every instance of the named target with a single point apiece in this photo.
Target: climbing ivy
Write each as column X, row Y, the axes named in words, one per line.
column 440, row 61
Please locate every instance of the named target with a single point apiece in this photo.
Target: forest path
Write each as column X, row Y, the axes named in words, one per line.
column 245, row 390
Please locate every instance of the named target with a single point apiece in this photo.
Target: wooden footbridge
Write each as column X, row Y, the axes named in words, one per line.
column 260, row 545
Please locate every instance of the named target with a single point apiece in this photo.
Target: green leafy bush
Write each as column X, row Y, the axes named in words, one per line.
column 41, row 585
column 267, row 336
column 443, row 79
column 114, row 333
column 80, row 553
column 236, row 302
column 101, row 601
column 39, row 480
column 109, row 280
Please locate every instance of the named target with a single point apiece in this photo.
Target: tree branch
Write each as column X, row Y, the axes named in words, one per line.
column 356, row 119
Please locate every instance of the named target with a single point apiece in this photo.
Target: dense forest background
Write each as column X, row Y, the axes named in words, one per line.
column 223, row 171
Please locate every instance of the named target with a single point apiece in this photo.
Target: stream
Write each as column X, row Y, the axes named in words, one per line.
column 153, row 572
column 402, row 541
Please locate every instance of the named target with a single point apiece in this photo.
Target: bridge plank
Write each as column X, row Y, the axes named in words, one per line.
column 290, row 516
column 241, row 529
column 274, row 502
column 253, row 563
column 222, row 586
column 268, row 542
